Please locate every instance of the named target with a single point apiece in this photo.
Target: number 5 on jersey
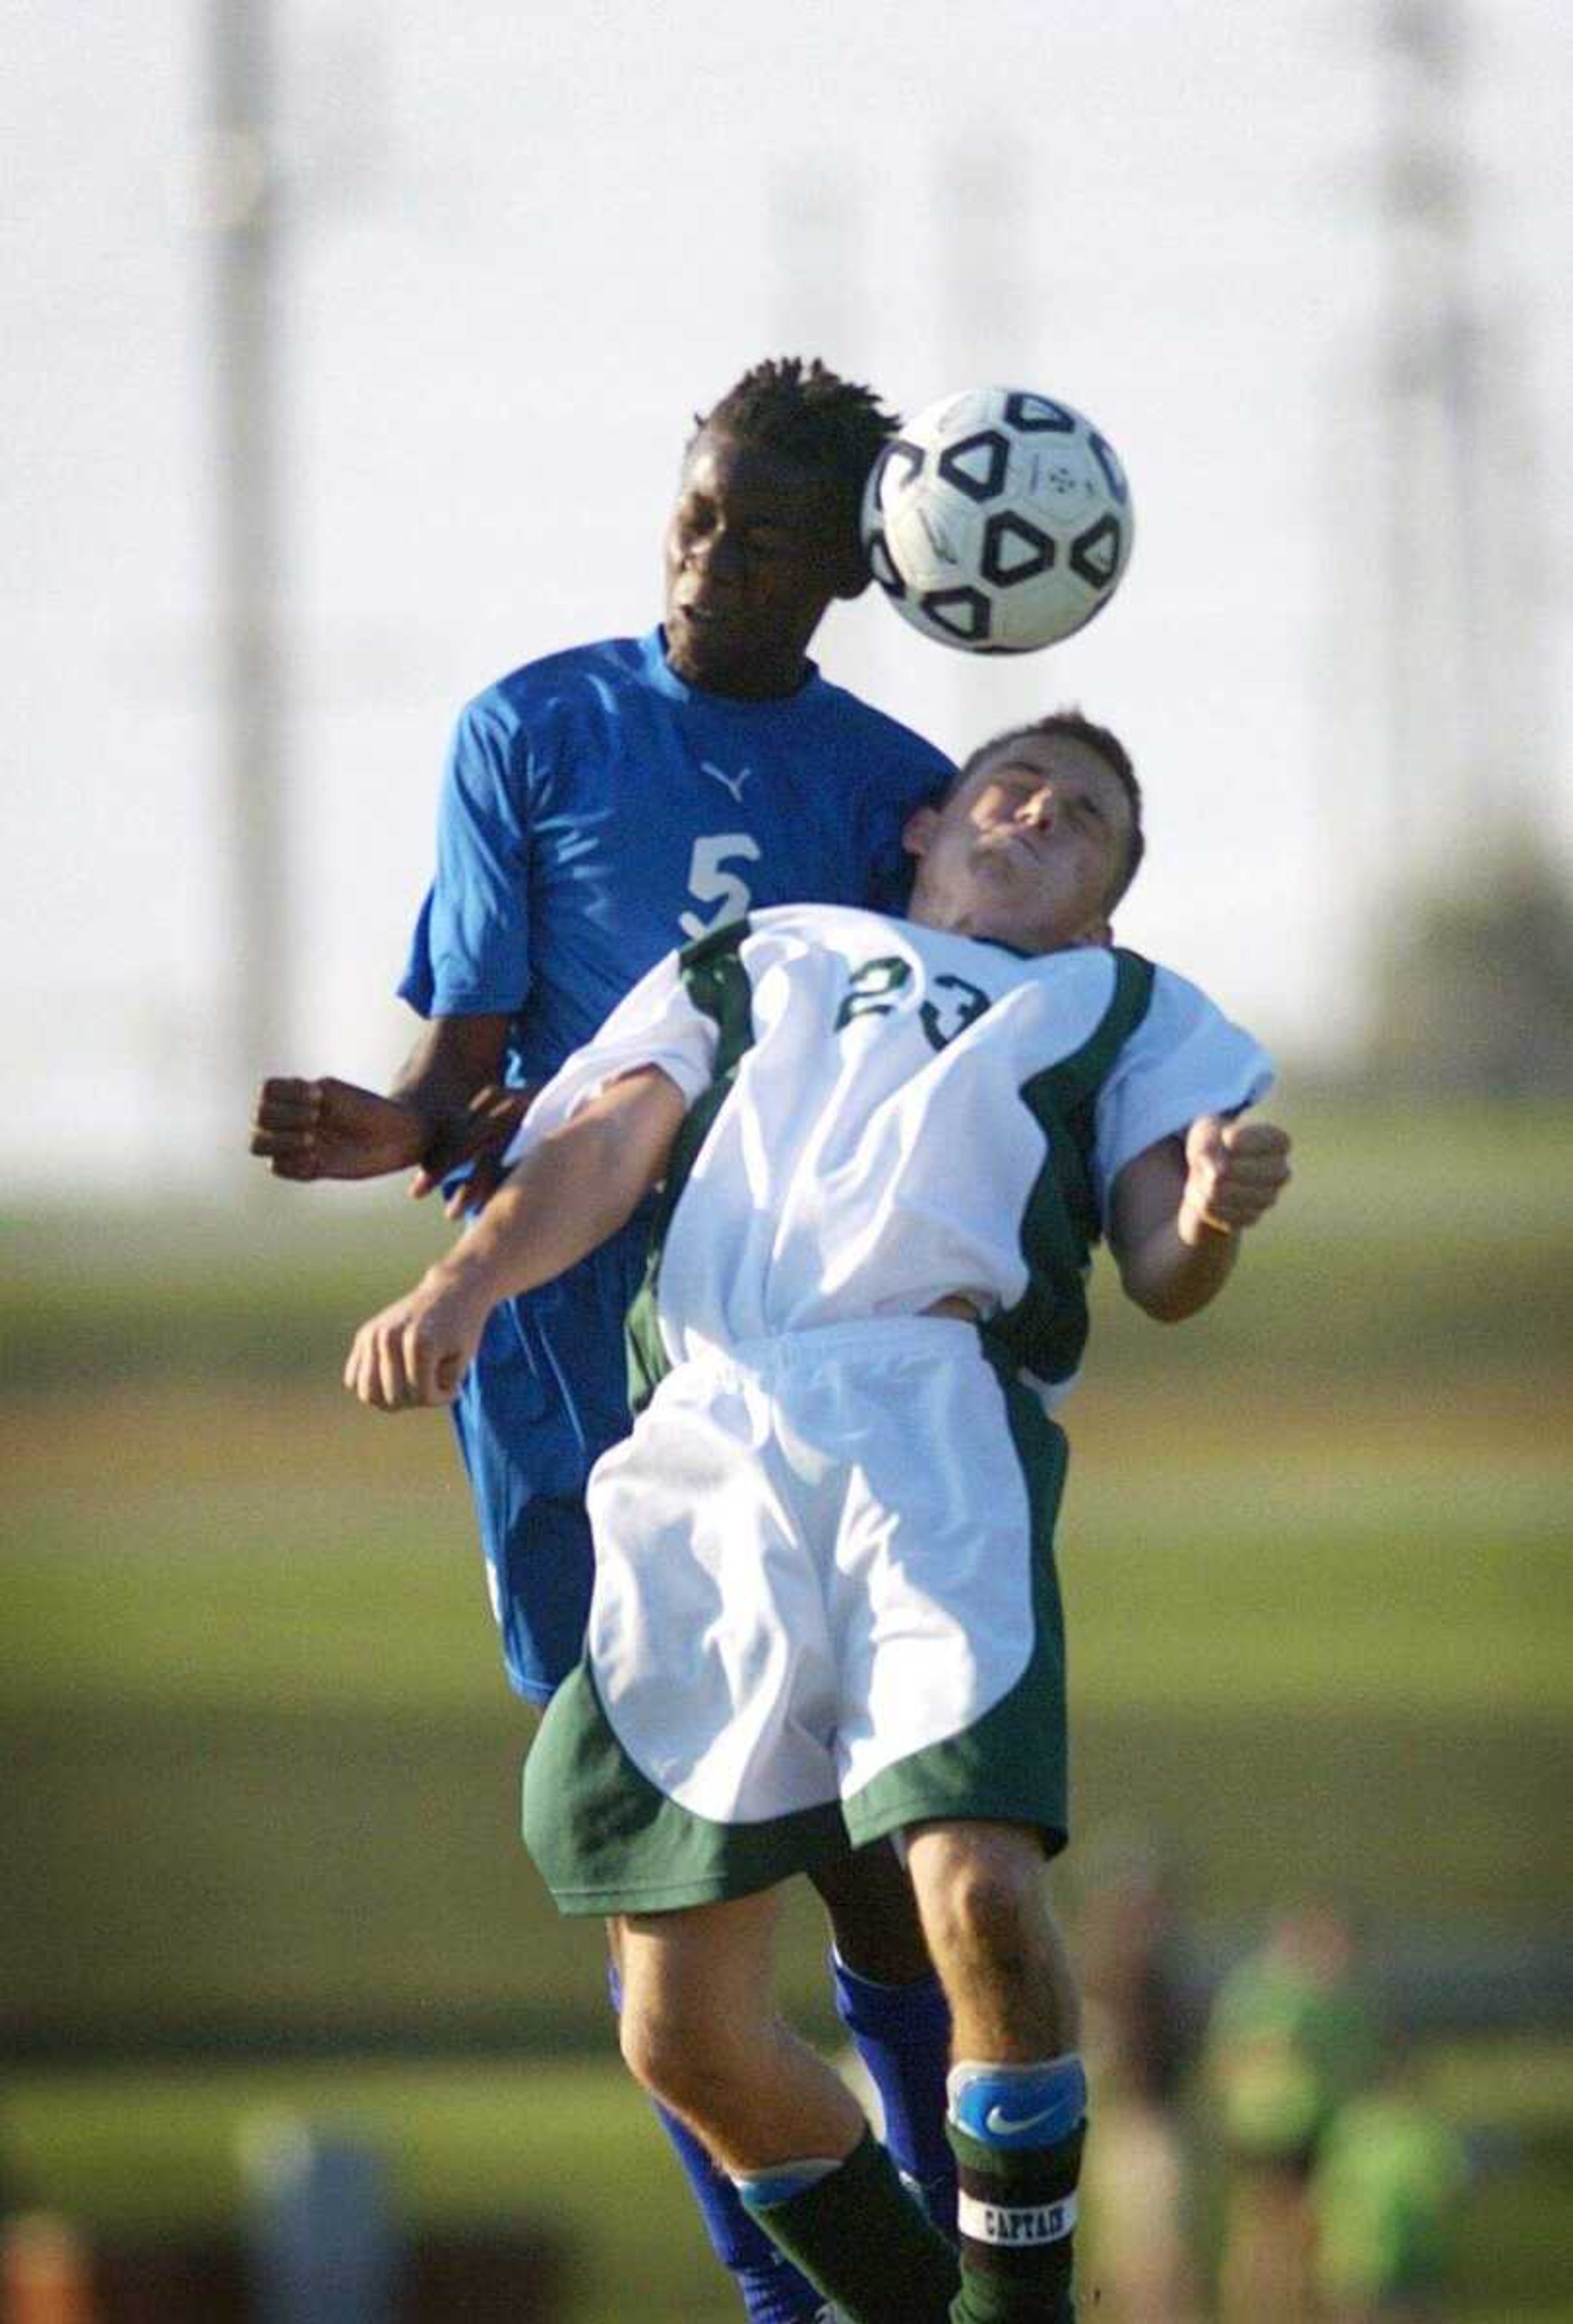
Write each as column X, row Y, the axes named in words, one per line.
column 711, row 883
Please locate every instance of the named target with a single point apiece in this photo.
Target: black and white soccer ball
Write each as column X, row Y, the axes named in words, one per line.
column 998, row 521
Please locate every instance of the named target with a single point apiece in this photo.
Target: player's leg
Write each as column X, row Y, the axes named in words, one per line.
column 772, row 2291
column 1018, row 2094
column 701, row 2031
column 531, row 1416
column 673, row 1510
column 952, row 1730
column 894, row 2005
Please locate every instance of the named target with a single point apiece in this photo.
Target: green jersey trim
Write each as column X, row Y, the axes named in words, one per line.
column 717, row 984
column 1045, row 1333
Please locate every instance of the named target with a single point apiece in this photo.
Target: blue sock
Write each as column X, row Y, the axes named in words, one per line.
column 773, row 2292
column 903, row 2034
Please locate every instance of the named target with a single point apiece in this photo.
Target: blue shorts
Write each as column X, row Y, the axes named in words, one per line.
column 546, row 1396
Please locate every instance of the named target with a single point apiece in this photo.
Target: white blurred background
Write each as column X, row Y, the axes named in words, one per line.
column 1303, row 261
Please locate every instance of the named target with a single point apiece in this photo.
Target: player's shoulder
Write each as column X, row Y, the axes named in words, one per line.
column 834, row 927
column 889, row 739
column 1182, row 1024
column 572, row 675
column 1177, row 1003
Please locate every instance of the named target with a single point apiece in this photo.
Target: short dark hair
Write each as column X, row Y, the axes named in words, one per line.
column 1070, row 724
column 807, row 412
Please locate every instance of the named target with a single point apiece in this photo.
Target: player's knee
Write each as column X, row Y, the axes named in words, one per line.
column 650, row 2042
column 983, row 1900
column 679, row 2056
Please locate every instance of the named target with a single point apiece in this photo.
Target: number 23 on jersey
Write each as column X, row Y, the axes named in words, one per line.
column 875, row 991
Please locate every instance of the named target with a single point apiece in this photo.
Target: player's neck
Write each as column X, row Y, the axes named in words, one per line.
column 974, row 921
column 772, row 679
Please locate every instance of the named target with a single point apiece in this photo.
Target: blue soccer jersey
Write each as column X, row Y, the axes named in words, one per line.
column 598, row 811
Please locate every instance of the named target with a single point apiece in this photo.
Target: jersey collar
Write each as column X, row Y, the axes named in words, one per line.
column 665, row 680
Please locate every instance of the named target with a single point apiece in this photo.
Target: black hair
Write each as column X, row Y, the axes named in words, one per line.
column 808, row 413
column 1074, row 728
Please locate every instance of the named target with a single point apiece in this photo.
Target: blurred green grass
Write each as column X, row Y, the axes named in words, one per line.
column 264, row 1768
column 1316, row 1561
column 1444, row 1586
column 497, row 2142
column 271, row 1767
column 1432, row 1245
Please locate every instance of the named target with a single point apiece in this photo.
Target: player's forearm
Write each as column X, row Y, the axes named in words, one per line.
column 454, row 1058
column 1180, row 1207
column 568, row 1193
column 549, row 1213
column 432, row 1089
column 1177, row 1269
column 572, row 1189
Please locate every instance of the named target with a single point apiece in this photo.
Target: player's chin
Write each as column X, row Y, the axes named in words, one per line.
column 708, row 645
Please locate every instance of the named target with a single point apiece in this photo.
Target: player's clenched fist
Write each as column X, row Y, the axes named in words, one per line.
column 416, row 1351
column 329, row 1128
column 1235, row 1172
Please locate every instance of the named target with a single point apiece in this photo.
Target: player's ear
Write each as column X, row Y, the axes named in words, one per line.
column 918, row 831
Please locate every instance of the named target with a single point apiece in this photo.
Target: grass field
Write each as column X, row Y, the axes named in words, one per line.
column 1316, row 1553
column 249, row 1669
column 497, row 2141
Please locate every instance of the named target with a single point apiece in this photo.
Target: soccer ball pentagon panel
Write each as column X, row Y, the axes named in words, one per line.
column 997, row 520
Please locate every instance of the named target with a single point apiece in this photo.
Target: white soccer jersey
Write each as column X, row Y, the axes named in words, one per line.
column 876, row 1145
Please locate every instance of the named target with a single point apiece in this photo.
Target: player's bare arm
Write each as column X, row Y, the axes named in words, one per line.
column 568, row 1192
column 1180, row 1208
column 444, row 1107
column 451, row 1075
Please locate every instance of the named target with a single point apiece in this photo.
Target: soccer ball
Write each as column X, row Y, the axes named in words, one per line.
column 997, row 520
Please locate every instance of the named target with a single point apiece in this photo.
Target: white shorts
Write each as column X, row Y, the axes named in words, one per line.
column 824, row 1609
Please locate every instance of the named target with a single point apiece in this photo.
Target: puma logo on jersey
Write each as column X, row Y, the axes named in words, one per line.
column 733, row 783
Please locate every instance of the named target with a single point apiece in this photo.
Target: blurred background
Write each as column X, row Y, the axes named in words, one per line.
column 350, row 354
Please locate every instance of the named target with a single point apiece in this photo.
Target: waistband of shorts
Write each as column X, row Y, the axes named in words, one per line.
column 860, row 1335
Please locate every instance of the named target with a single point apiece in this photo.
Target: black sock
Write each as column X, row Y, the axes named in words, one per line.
column 1017, row 2208
column 858, row 2235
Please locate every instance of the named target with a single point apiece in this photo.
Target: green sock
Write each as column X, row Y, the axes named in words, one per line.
column 1018, row 2206
column 861, row 2240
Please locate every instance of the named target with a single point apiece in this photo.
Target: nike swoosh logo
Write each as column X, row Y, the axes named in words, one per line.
column 1006, row 2126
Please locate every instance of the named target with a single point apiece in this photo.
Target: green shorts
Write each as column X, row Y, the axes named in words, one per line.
column 826, row 1609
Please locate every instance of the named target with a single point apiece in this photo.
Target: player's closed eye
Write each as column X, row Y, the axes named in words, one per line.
column 1026, row 791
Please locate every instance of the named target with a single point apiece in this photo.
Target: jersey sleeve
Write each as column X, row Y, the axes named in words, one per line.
column 1184, row 1059
column 470, row 952
column 656, row 1024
